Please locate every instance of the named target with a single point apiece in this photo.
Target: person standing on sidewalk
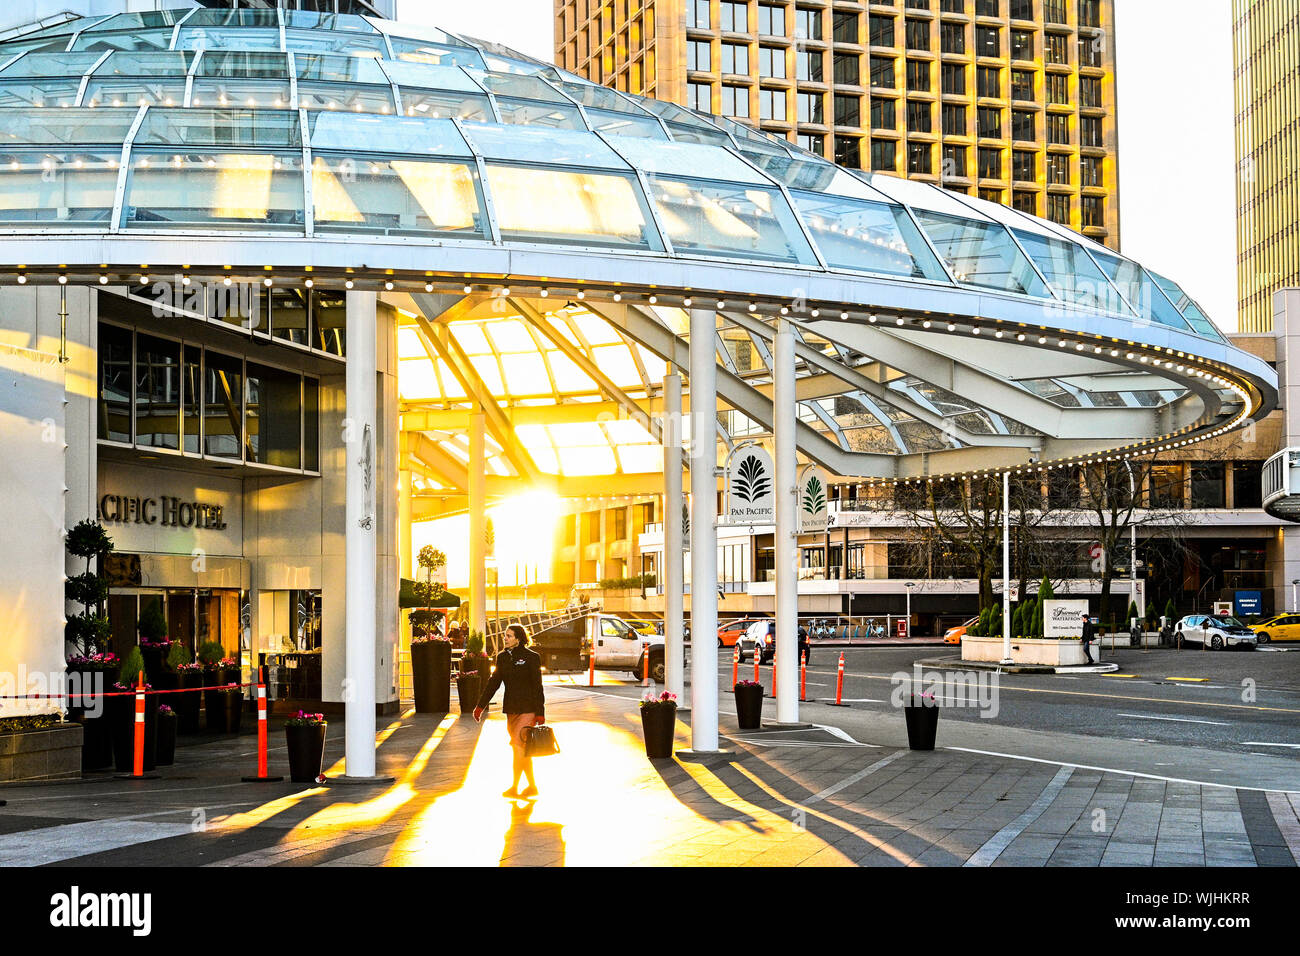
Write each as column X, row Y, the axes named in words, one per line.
column 520, row 669
column 1088, row 634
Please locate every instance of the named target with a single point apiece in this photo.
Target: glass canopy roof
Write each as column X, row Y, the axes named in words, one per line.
column 298, row 123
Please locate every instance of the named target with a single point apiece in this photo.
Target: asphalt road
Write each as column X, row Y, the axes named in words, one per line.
column 1229, row 701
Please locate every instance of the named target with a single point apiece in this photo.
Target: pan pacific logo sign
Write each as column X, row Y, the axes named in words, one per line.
column 751, row 495
column 813, row 511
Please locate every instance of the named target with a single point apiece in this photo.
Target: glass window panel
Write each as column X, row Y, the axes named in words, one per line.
column 535, row 113
column 599, row 97
column 639, row 459
column 1141, row 292
column 273, row 417
column 22, row 94
column 329, row 321
column 568, row 376
column 115, row 386
column 981, row 253
column 546, row 146
column 200, row 38
column 250, row 94
column 170, row 63
column 217, row 127
column 396, row 197
column 556, row 205
column 49, row 64
column 323, row 41
column 234, row 18
column 624, row 124
column 239, row 304
column 868, row 237
column 1070, row 271
column 438, row 54
column 488, row 370
column 147, row 19
column 439, row 104
column 1198, row 320
column 524, row 87
column 43, row 187
column 137, row 40
column 699, row 135
column 687, row 159
column 721, row 219
column 54, row 127
column 616, row 362
column 526, row 375
column 594, row 330
column 223, row 414
column 289, row 315
column 338, row 69
column 431, row 77
column 140, row 91
column 191, row 384
column 310, row 19
column 419, row 135
column 245, row 66
column 627, row 432
column 416, row 380
column 471, row 338
column 349, row 99
column 587, row 461
column 226, row 189
column 509, row 335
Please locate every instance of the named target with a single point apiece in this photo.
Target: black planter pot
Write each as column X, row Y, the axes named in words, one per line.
column 187, row 704
column 922, row 726
column 749, row 705
column 97, row 736
column 431, row 671
column 121, row 717
column 165, row 754
column 232, row 701
column 306, row 752
column 221, row 714
column 153, row 661
column 467, row 691
column 658, row 724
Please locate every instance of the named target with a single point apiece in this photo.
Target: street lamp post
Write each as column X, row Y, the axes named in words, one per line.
column 1132, row 545
column 909, row 585
column 1294, row 606
column 1006, row 568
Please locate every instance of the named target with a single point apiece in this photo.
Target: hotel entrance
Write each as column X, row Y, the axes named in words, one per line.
column 193, row 616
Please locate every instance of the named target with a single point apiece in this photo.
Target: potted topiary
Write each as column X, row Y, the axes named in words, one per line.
column 922, row 716
column 430, row 665
column 89, row 676
column 165, row 754
column 749, row 704
column 189, row 678
column 305, row 736
column 659, row 723
column 211, row 654
column 475, row 668
column 121, row 711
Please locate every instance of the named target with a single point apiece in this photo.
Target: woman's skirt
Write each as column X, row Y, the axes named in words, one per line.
column 517, row 724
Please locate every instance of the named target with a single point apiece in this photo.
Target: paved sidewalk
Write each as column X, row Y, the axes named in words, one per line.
column 785, row 798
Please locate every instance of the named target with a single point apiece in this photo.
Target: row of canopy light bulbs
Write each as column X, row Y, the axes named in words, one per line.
column 1167, row 358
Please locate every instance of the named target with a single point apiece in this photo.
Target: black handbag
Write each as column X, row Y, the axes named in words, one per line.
column 539, row 741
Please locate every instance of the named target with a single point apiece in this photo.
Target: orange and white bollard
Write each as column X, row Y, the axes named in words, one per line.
column 591, row 668
column 803, row 677
column 735, row 665
column 262, row 776
column 839, row 684
column 645, row 663
column 758, row 658
column 137, row 769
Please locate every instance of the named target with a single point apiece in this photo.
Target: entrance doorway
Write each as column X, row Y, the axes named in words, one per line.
column 193, row 615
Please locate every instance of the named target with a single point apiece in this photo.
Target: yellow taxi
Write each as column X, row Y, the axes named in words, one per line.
column 642, row 626
column 1283, row 627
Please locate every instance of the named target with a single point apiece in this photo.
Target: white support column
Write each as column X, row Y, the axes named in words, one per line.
column 785, row 554
column 360, row 537
column 704, row 533
column 674, row 650
column 405, row 562
column 477, row 468
column 1006, row 568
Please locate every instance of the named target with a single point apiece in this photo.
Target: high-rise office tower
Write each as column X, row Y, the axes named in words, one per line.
column 1009, row 100
column 1267, row 70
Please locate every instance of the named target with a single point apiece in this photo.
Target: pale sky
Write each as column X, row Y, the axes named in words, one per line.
column 1177, row 161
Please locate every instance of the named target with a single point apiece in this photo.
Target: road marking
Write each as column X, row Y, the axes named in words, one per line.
column 1190, row 680
column 1264, row 743
column 1181, row 720
column 72, row 840
column 1122, row 675
column 850, row 700
column 851, row 780
column 991, row 850
column 1127, row 773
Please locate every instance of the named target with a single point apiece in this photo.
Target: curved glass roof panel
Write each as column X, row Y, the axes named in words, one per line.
column 50, row 65
column 797, row 173
column 225, row 190
column 143, row 39
column 688, row 159
column 324, row 41
column 397, row 197
column 243, row 66
column 144, row 20
column 191, row 37
column 1142, row 294
column 1070, row 271
column 385, row 134
column 311, row 20
column 59, row 127
column 334, row 68
column 713, row 218
column 43, row 188
column 625, row 124
column 423, row 51
column 520, row 86
column 233, row 18
column 867, row 236
column 981, row 253
column 1183, row 302
column 213, row 127
column 443, row 104
column 28, row 94
column 538, row 113
column 920, row 195
column 170, row 63
column 519, row 144
column 427, row 76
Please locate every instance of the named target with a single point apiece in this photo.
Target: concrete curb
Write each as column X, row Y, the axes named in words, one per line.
column 956, row 663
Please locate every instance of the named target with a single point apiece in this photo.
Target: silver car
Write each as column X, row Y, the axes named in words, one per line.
column 1219, row 630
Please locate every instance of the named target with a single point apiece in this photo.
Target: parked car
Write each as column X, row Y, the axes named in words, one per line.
column 954, row 634
column 760, row 638
column 1222, row 631
column 642, row 626
column 1282, row 627
column 730, row 632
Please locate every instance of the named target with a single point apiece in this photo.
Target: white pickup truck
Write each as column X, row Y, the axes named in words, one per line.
column 616, row 646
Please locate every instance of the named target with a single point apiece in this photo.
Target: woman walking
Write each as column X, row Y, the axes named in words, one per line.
column 525, row 702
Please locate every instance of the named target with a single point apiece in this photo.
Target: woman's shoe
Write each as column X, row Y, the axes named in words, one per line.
column 510, row 794
column 528, row 792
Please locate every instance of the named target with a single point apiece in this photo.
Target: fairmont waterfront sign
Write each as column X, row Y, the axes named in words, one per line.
column 165, row 510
